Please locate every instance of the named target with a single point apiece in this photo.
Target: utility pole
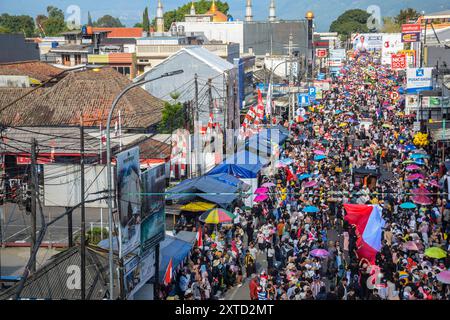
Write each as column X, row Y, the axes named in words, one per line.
column 197, row 129
column 69, row 227
column 291, row 82
column 83, row 214
column 34, row 190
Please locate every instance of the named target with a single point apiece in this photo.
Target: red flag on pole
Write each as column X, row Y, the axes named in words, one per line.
column 168, row 274
column 199, row 238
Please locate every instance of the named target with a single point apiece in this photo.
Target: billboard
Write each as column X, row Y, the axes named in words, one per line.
column 367, row 42
column 153, row 230
column 419, row 79
column 338, row 54
column 137, row 271
column 62, row 185
column 129, row 200
column 392, row 43
column 398, row 61
column 410, row 57
column 411, row 33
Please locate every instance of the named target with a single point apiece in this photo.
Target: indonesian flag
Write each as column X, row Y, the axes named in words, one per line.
column 168, row 274
column 259, row 109
column 369, row 223
column 290, row 175
column 199, row 238
column 210, row 123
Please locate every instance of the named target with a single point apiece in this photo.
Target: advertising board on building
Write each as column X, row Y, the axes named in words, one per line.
column 392, row 43
column 411, row 33
column 367, row 41
column 399, row 61
column 138, row 269
column 129, row 200
column 419, row 79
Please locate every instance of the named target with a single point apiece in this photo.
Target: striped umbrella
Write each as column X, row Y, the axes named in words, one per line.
column 217, row 216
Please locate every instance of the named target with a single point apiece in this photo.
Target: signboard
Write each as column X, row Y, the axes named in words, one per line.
column 418, row 79
column 338, row 54
column 392, row 43
column 303, row 99
column 413, row 102
column 129, row 200
column 411, row 33
column 153, row 203
column 410, row 57
column 321, row 53
column 138, row 270
column 398, row 61
column 395, row 95
column 367, row 41
column 14, row 81
column 335, row 63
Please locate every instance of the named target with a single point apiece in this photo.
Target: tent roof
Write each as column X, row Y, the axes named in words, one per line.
column 174, row 248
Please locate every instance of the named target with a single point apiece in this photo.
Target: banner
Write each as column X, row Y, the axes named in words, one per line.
column 410, row 57
column 411, row 33
column 398, row 62
column 367, row 42
column 419, row 79
column 392, row 43
column 129, row 198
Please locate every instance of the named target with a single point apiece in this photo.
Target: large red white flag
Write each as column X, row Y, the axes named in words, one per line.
column 259, row 109
column 199, row 238
column 168, row 274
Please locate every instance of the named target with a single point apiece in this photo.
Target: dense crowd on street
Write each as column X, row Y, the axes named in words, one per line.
column 297, row 244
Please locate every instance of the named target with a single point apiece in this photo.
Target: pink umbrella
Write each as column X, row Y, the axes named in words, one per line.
column 319, row 152
column 412, row 167
column 444, row 276
column 281, row 165
column 261, row 191
column 269, row 184
column 415, row 176
column 410, row 245
column 319, row 253
column 310, row 184
column 420, row 191
column 422, row 200
column 434, row 183
column 261, row 197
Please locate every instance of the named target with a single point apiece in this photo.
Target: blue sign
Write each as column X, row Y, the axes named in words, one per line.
column 312, row 91
column 303, row 99
column 420, row 73
column 321, row 76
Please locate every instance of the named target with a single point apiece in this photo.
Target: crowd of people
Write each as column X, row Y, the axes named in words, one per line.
column 297, row 244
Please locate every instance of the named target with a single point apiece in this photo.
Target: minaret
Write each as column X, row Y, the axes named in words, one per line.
column 159, row 18
column 272, row 16
column 192, row 9
column 248, row 11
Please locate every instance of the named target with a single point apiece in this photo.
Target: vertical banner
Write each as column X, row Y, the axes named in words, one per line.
column 129, row 198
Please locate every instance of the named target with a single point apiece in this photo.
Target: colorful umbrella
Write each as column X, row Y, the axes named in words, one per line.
column 411, row 246
column 261, row 191
column 412, row 167
column 304, row 176
column 434, row 183
column 436, row 253
column 418, row 156
column 261, row 197
column 410, row 147
column 319, row 152
column 420, row 191
column 268, row 185
column 422, row 200
column 444, row 276
column 217, row 216
column 311, row 209
column 319, row 157
column 420, row 162
column 287, row 161
column 408, row 205
column 408, row 162
column 310, row 184
column 319, row 253
column 388, row 126
column 198, row 206
column 343, row 124
column 415, row 176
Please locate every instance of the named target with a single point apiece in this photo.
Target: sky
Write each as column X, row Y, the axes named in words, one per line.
column 130, row 11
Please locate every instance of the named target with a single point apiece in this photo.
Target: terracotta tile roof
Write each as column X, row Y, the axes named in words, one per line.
column 91, row 92
column 121, row 32
column 35, row 69
column 152, row 149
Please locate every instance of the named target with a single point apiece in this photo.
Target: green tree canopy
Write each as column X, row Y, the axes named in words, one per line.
column 17, row 24
column 405, row 15
column 172, row 117
column 108, row 21
column 201, row 7
column 351, row 21
column 146, row 21
column 53, row 23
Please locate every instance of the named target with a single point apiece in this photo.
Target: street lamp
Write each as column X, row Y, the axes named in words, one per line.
column 108, row 166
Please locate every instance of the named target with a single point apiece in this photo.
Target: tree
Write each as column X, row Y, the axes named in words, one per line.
column 108, row 21
column 146, row 21
column 351, row 21
column 138, row 25
column 389, row 26
column 172, row 117
column 201, row 7
column 17, row 24
column 405, row 15
column 89, row 23
column 52, row 24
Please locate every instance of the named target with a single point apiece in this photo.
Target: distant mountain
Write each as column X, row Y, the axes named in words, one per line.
column 130, row 11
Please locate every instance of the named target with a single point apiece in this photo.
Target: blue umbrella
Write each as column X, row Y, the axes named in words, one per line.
column 420, row 162
column 304, row 176
column 338, row 112
column 311, row 209
column 401, row 90
column 408, row 205
column 418, row 156
column 319, row 157
column 410, row 147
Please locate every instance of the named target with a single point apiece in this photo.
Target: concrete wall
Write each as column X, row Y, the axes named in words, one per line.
column 14, row 48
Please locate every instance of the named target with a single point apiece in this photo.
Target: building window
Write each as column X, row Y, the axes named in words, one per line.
column 126, row 71
column 66, row 59
column 77, row 59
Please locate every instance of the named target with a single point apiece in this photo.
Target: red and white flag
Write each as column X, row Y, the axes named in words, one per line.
column 199, row 238
column 168, row 274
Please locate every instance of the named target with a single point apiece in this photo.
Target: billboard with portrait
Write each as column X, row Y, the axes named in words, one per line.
column 367, row 42
column 129, row 200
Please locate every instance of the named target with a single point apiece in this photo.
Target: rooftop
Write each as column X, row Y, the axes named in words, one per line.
column 34, row 69
column 121, row 32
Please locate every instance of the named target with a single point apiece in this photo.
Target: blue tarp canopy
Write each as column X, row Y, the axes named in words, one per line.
column 215, row 184
column 174, row 248
column 262, row 143
column 244, row 164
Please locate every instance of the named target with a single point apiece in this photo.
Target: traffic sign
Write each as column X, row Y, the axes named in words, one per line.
column 303, row 99
column 395, row 95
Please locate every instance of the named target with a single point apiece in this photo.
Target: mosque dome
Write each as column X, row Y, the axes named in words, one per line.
column 217, row 15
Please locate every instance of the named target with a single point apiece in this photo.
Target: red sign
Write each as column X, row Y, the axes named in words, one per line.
column 27, row 160
column 395, row 95
column 398, row 61
column 321, row 53
column 406, row 28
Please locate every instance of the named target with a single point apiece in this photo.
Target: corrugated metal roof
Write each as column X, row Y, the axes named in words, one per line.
column 53, row 280
column 209, row 58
